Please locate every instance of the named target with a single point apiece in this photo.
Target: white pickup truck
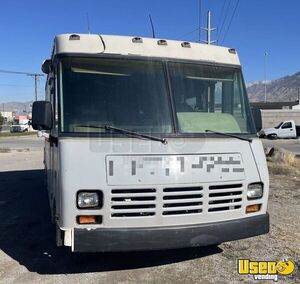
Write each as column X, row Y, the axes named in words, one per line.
column 21, row 127
column 286, row 129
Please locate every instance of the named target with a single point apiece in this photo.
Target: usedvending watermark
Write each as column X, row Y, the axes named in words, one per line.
column 265, row 270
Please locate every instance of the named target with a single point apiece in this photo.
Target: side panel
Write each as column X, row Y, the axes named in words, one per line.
column 262, row 167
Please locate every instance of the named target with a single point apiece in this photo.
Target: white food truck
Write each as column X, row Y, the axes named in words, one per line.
column 150, row 144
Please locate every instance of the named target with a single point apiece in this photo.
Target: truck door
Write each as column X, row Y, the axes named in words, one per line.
column 286, row 130
column 53, row 147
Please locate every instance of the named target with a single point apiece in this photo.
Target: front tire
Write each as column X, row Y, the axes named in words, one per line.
column 272, row 136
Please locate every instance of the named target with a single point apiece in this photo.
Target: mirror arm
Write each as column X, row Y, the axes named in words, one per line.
column 49, row 138
column 53, row 140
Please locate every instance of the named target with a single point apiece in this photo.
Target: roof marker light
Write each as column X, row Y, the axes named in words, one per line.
column 186, row 44
column 232, row 50
column 162, row 42
column 137, row 40
column 74, row 37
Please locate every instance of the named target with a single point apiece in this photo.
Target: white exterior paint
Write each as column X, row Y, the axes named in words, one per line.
column 123, row 45
column 83, row 166
column 297, row 106
column 79, row 163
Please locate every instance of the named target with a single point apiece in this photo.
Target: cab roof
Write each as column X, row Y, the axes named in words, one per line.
column 93, row 44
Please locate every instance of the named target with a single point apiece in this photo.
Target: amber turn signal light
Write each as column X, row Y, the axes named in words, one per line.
column 89, row 220
column 253, row 208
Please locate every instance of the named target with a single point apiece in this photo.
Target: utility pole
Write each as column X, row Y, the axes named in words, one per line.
column 35, row 76
column 35, row 87
column 265, row 75
column 209, row 29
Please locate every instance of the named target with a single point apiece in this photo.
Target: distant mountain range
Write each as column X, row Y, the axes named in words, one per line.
column 18, row 108
column 282, row 89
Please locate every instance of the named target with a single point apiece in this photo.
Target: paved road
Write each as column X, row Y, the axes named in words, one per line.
column 22, row 142
column 292, row 145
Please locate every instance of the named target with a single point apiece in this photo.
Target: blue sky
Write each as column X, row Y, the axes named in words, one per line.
column 27, row 29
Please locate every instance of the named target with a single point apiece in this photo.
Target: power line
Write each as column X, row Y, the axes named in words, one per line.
column 184, row 35
column 221, row 15
column 224, row 20
column 14, row 85
column 20, row 73
column 233, row 14
column 34, row 75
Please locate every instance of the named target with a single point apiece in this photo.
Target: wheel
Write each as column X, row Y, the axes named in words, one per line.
column 272, row 136
column 26, row 130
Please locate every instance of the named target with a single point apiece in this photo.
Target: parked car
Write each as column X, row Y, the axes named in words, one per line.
column 286, row 129
column 20, row 127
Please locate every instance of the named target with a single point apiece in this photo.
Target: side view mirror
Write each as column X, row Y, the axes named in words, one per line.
column 256, row 112
column 46, row 66
column 42, row 118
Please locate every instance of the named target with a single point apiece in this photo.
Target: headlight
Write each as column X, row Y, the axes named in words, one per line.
column 87, row 199
column 255, row 190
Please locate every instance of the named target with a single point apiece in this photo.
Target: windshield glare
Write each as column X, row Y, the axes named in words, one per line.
column 134, row 95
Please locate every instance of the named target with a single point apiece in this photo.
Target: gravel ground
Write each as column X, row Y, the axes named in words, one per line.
column 28, row 253
column 291, row 145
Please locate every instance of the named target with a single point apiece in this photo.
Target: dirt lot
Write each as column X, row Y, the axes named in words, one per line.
column 28, row 253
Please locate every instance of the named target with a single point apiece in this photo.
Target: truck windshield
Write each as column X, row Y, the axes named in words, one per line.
column 133, row 95
column 209, row 97
column 121, row 93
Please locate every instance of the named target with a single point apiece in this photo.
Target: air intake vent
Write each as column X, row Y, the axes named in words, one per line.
column 225, row 197
column 182, row 200
column 162, row 42
column 133, row 202
column 137, row 40
column 186, row 44
column 74, row 37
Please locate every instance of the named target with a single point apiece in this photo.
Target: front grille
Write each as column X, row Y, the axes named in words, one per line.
column 182, row 200
column 175, row 201
column 225, row 197
column 133, row 202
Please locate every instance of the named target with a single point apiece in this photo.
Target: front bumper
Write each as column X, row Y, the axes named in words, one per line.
column 124, row 239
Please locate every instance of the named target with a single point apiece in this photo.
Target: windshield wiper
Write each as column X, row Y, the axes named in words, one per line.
column 230, row 135
column 129, row 132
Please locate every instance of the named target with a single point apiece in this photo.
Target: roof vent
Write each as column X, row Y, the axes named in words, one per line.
column 162, row 42
column 232, row 50
column 186, row 44
column 137, row 40
column 74, row 37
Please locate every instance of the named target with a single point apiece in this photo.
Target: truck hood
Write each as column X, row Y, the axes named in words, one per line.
column 269, row 130
column 181, row 161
